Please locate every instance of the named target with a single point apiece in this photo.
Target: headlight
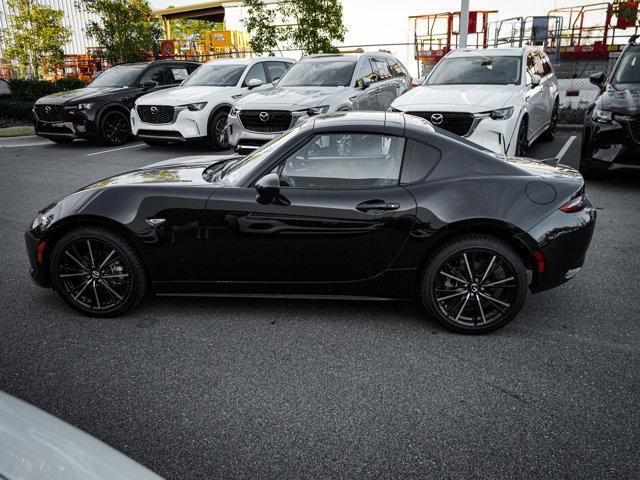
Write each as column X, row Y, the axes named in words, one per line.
column 502, row 113
column 81, row 106
column 196, row 107
column 317, row 110
column 602, row 116
column 42, row 221
column 392, row 109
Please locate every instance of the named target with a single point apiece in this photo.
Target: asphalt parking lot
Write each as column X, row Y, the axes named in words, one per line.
column 234, row 388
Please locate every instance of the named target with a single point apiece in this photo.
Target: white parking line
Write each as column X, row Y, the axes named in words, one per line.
column 115, row 149
column 565, row 147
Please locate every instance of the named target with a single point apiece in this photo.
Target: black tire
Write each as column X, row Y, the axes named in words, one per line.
column 217, row 134
column 61, row 140
column 120, row 282
column 115, row 128
column 155, row 143
column 550, row 133
column 502, row 297
column 522, row 143
column 589, row 172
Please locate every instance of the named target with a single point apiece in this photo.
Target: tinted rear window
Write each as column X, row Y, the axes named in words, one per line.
column 419, row 160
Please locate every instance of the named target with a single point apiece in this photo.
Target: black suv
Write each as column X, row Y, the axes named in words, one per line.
column 100, row 111
column 611, row 132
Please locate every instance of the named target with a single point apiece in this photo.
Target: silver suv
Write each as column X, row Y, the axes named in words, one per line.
column 316, row 84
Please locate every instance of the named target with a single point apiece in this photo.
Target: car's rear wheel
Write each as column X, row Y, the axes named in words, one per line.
column 114, row 128
column 217, row 131
column 97, row 272
column 522, row 143
column 474, row 284
column 155, row 143
column 61, row 140
column 550, row 133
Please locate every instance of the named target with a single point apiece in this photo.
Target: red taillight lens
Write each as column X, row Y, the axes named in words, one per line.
column 539, row 260
column 40, row 254
column 575, row 204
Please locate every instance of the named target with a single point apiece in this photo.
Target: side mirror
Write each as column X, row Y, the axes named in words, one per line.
column 535, row 80
column 598, row 79
column 268, row 188
column 254, row 82
column 149, row 84
column 364, row 83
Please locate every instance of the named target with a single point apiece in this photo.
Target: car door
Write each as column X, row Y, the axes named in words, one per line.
column 535, row 96
column 385, row 83
column 341, row 214
column 366, row 98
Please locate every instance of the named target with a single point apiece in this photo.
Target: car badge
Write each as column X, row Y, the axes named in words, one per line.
column 154, row 110
column 47, row 109
column 437, row 118
column 264, row 116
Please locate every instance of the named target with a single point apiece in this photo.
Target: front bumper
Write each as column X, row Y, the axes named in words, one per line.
column 76, row 124
column 243, row 140
column 495, row 135
column 563, row 239
column 187, row 126
column 39, row 272
column 611, row 146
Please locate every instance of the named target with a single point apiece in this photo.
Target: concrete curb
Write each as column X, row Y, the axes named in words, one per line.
column 24, row 141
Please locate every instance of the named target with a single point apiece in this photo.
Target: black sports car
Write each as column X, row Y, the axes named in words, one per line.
column 611, row 132
column 100, row 111
column 350, row 205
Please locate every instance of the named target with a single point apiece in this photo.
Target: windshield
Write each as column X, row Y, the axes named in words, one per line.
column 486, row 70
column 238, row 171
column 118, row 76
column 629, row 69
column 326, row 73
column 215, row 76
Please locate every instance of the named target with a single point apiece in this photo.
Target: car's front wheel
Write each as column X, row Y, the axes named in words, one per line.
column 474, row 284
column 550, row 132
column 114, row 128
column 97, row 272
column 522, row 142
column 217, row 131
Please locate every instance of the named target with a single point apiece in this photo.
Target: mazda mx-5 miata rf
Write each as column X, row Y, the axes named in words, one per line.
column 363, row 205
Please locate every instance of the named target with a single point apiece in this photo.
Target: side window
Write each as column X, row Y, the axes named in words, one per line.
column 365, row 71
column 396, row 68
column 531, row 68
column 191, row 67
column 176, row 74
column 344, row 161
column 276, row 69
column 380, row 69
column 257, row 71
column 546, row 65
column 154, row 74
column 419, row 160
column 539, row 64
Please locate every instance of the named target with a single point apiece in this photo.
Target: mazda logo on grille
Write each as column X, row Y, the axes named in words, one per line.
column 47, row 109
column 437, row 118
column 154, row 110
column 264, row 116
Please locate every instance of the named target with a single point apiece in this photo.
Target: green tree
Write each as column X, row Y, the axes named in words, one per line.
column 310, row 25
column 191, row 29
column 125, row 28
column 34, row 37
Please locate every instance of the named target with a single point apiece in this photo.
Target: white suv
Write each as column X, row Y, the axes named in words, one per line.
column 197, row 110
column 502, row 98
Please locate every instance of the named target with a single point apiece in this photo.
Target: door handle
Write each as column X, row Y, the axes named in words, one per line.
column 377, row 205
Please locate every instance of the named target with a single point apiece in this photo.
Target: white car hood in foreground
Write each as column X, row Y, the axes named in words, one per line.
column 37, row 446
column 467, row 98
column 182, row 95
column 290, row 98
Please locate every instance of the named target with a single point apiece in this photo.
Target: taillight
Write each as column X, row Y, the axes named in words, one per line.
column 539, row 260
column 575, row 204
column 40, row 252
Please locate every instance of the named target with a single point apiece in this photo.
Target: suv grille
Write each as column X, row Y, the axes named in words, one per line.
column 265, row 121
column 455, row 122
column 634, row 128
column 155, row 113
column 50, row 113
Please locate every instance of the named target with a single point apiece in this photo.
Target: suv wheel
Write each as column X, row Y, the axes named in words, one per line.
column 217, row 131
column 522, row 143
column 114, row 128
column 550, row 133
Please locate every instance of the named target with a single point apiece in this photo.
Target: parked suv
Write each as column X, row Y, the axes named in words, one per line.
column 317, row 84
column 100, row 111
column 503, row 99
column 197, row 110
column 611, row 133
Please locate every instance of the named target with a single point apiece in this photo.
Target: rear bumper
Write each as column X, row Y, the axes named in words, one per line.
column 563, row 239
column 38, row 271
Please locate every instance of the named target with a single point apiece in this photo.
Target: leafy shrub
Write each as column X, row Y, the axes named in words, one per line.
column 69, row 83
column 15, row 110
column 28, row 90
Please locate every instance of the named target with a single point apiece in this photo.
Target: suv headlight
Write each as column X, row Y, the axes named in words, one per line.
column 42, row 221
column 317, row 110
column 501, row 113
column 602, row 116
column 196, row 107
column 80, row 106
column 393, row 110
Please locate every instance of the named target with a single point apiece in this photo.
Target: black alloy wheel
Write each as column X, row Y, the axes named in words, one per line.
column 550, row 133
column 218, row 131
column 114, row 128
column 475, row 284
column 97, row 272
column 522, row 142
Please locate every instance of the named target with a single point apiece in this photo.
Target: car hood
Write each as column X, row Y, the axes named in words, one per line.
column 289, row 98
column 181, row 95
column 186, row 170
column 39, row 446
column 625, row 101
column 470, row 98
column 83, row 94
